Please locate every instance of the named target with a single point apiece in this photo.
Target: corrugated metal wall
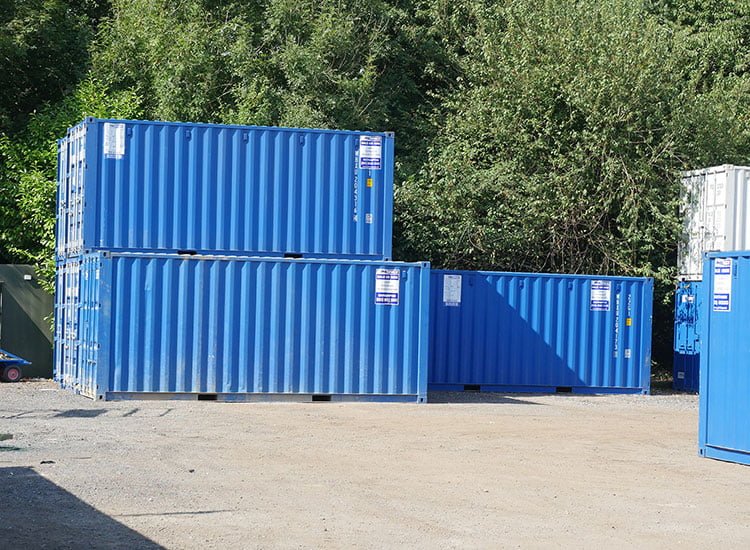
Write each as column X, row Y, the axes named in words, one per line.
column 715, row 207
column 724, row 430
column 536, row 332
column 142, row 186
column 686, row 361
column 159, row 323
column 67, row 303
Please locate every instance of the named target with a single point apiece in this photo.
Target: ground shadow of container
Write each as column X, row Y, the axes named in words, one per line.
column 539, row 333
column 473, row 397
column 36, row 513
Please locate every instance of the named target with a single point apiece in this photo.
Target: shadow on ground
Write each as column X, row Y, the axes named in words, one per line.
column 81, row 413
column 36, row 513
column 476, row 397
column 665, row 387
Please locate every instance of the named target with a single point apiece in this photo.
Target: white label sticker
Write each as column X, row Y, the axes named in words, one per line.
column 452, row 290
column 368, row 217
column 601, row 295
column 627, row 353
column 370, row 152
column 387, row 286
column 723, row 284
column 114, row 140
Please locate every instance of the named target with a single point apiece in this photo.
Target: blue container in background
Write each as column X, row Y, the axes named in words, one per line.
column 235, row 328
column 686, row 365
column 724, row 429
column 164, row 186
column 540, row 333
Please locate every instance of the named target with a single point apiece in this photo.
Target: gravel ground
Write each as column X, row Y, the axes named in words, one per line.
column 466, row 470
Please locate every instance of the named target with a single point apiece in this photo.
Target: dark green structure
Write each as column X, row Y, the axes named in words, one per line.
column 26, row 319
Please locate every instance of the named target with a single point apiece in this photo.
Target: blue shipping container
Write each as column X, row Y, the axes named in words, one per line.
column 686, row 365
column 244, row 328
column 539, row 333
column 145, row 186
column 724, row 430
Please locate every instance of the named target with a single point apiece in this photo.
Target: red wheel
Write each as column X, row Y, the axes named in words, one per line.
column 12, row 374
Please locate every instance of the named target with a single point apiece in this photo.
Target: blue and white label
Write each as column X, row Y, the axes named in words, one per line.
column 370, row 152
column 452, row 290
column 387, row 286
column 723, row 284
column 114, row 140
column 601, row 295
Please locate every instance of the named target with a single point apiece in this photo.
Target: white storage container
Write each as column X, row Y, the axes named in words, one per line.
column 714, row 207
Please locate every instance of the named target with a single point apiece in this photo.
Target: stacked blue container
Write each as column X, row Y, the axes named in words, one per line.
column 233, row 262
column 213, row 189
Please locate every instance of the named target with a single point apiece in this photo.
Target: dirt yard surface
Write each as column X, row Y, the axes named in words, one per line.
column 463, row 471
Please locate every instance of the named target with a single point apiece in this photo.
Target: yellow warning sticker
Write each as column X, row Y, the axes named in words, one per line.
column 628, row 321
column 369, row 182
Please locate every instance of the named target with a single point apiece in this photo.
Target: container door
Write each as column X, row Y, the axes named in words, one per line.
column 739, row 239
column 687, row 338
column 60, row 314
column 693, row 213
column 76, row 170
column 716, row 197
column 70, row 329
column 87, row 319
column 62, row 198
column 726, row 390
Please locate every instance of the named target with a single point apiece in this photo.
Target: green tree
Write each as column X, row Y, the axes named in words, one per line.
column 356, row 64
column 712, row 53
column 28, row 162
column 561, row 147
column 555, row 154
column 43, row 53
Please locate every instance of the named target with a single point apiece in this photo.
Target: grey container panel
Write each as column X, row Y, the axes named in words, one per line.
column 714, row 206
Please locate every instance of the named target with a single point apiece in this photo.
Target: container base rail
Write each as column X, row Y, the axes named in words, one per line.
column 238, row 254
column 726, row 455
column 262, row 397
column 490, row 388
